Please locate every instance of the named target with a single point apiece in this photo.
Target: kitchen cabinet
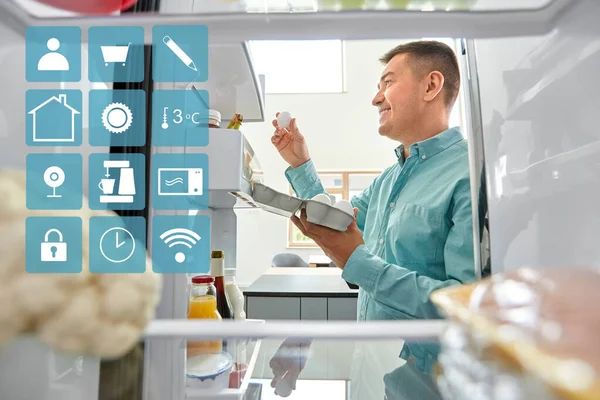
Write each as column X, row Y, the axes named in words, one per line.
column 313, row 308
column 267, row 309
column 339, row 309
column 312, row 294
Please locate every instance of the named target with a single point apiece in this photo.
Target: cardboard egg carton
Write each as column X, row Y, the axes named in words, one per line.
column 286, row 205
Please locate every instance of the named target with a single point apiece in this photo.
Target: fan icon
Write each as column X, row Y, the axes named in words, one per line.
column 117, row 118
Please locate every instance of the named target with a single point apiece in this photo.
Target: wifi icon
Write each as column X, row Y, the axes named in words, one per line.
column 180, row 237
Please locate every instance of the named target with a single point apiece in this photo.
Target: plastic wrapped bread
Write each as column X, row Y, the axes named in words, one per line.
column 522, row 335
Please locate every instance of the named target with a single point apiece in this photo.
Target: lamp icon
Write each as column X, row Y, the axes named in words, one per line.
column 54, row 177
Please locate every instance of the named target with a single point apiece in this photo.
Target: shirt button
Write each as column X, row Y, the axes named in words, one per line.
column 392, row 204
column 424, row 156
column 381, row 240
column 362, row 313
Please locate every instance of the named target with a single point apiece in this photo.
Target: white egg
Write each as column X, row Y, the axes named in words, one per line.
column 322, row 198
column 283, row 119
column 345, row 206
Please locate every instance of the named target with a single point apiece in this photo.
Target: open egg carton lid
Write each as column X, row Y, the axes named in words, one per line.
column 286, row 205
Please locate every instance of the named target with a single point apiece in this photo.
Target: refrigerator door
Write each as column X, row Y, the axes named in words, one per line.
column 541, row 144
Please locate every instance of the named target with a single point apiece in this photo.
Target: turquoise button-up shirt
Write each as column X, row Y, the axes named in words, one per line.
column 418, row 231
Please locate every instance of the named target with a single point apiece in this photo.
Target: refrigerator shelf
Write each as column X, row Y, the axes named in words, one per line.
column 229, row 394
column 281, row 21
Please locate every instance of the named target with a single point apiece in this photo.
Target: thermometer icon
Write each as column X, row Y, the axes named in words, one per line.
column 165, row 124
column 179, row 53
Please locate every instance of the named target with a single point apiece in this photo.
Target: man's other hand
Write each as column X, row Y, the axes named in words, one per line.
column 336, row 245
column 287, row 364
column 290, row 144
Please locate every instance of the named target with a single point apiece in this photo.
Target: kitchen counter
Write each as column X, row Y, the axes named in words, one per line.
column 305, row 282
column 301, row 293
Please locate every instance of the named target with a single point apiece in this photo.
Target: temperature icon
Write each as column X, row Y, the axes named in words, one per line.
column 179, row 117
column 165, row 124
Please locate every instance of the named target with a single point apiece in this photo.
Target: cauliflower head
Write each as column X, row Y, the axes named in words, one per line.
column 101, row 315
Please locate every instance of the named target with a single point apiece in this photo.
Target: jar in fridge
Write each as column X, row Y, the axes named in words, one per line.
column 203, row 305
column 212, row 119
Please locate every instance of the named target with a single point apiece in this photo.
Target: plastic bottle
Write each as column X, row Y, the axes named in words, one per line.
column 236, row 297
column 238, row 346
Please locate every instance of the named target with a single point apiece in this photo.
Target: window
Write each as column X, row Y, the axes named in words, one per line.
column 305, row 66
column 341, row 185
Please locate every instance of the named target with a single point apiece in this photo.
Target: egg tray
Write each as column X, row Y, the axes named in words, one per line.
column 286, row 205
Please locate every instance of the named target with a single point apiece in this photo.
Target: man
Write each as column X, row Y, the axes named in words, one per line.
column 413, row 231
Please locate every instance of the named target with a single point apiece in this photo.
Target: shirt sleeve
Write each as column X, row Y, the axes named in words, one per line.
column 405, row 293
column 305, row 180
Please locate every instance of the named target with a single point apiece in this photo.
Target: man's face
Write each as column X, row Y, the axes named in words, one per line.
column 397, row 98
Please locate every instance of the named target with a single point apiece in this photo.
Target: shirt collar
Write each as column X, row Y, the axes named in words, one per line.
column 432, row 146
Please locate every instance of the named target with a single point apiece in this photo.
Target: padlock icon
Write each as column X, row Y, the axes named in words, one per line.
column 54, row 251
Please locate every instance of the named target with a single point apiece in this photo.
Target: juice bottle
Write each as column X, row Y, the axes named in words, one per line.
column 203, row 305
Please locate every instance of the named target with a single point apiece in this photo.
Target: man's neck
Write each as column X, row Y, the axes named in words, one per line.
column 422, row 135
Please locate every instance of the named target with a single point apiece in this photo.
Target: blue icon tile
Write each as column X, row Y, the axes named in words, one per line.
column 117, row 181
column 180, row 118
column 180, row 53
column 117, row 245
column 53, row 54
column 53, row 117
column 116, row 54
column 53, row 245
column 54, row 181
column 180, row 181
column 181, row 244
column 117, row 118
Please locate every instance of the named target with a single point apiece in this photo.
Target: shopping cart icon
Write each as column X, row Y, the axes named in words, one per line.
column 115, row 54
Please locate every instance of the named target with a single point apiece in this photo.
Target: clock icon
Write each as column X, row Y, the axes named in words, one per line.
column 117, row 245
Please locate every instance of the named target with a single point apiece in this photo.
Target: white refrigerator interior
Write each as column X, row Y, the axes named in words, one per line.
column 531, row 75
column 541, row 142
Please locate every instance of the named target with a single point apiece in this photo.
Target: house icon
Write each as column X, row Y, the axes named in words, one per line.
column 54, row 120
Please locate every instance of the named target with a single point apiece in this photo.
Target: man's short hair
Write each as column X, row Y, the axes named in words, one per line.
column 430, row 55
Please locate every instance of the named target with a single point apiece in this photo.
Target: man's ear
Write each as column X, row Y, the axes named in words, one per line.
column 435, row 84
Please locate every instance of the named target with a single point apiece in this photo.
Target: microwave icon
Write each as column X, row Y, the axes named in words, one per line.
column 180, row 182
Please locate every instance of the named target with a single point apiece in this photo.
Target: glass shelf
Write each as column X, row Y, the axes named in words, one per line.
column 243, row 20
column 301, row 6
column 272, row 368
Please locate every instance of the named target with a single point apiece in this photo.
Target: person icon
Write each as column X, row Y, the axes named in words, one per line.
column 53, row 61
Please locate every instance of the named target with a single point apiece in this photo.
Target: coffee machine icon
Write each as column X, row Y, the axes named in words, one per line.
column 126, row 185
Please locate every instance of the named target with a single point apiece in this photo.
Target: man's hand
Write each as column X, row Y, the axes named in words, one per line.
column 287, row 364
column 337, row 245
column 290, row 144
